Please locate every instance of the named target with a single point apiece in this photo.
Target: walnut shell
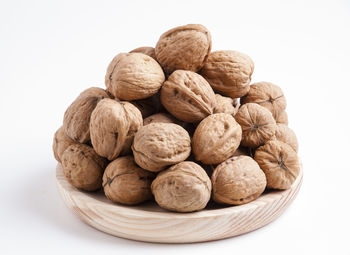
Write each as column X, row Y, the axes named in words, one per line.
column 267, row 95
column 258, row 124
column 238, row 180
column 281, row 117
column 126, row 183
column 158, row 145
column 160, row 117
column 82, row 167
column 149, row 106
column 279, row 162
column 226, row 105
column 149, row 51
column 216, row 138
column 185, row 47
column 77, row 117
column 132, row 76
column 60, row 143
column 188, row 96
column 228, row 72
column 112, row 127
column 287, row 135
column 184, row 187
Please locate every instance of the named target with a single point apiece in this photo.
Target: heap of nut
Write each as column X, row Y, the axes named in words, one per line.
column 181, row 124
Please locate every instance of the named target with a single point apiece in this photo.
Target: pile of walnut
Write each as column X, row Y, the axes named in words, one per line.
column 172, row 116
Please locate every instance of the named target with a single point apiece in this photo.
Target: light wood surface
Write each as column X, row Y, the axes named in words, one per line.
column 148, row 222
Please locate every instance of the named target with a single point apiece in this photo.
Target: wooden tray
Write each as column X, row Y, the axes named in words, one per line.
column 148, row 222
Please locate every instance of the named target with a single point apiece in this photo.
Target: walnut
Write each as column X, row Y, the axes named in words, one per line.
column 112, row 127
column 281, row 117
column 149, row 106
column 228, row 72
column 149, row 51
column 184, row 187
column 258, row 124
column 185, row 47
column 226, row 105
column 286, row 135
column 60, row 143
column 158, row 145
column 160, row 117
column 132, row 76
column 238, row 180
column 216, row 138
column 279, row 162
column 77, row 117
column 126, row 183
column 82, row 167
column 188, row 96
column 267, row 95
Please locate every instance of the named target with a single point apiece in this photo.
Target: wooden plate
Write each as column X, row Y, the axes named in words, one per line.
column 148, row 222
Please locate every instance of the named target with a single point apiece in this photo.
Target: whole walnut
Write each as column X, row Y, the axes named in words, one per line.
column 132, row 76
column 216, row 138
column 185, row 48
column 279, row 162
column 82, row 167
column 158, row 145
column 77, row 117
column 267, row 95
column 149, row 51
column 258, row 124
column 228, row 72
column 126, row 183
column 286, row 135
column 281, row 117
column 238, row 180
column 188, row 96
column 226, row 105
column 60, row 143
column 160, row 117
column 113, row 126
column 149, row 106
column 184, row 187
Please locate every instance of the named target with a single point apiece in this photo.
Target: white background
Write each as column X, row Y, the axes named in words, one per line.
column 52, row 50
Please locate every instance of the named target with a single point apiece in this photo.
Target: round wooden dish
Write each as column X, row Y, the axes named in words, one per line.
column 148, row 222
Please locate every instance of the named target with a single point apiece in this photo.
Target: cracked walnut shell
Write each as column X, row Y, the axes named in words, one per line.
column 228, row 72
column 158, row 145
column 113, row 126
column 226, row 105
column 132, row 76
column 279, row 162
column 216, row 138
column 188, row 96
column 126, row 183
column 60, row 143
column 238, row 180
column 82, row 167
column 184, row 187
column 258, row 124
column 183, row 48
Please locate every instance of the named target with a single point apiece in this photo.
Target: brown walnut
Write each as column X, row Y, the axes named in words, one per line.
column 60, row 143
column 160, row 117
column 281, row 117
column 226, row 105
column 184, row 187
column 149, row 51
column 238, row 180
column 149, row 106
column 286, row 135
column 126, row 183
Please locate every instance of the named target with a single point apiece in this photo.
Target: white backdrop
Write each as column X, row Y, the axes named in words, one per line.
column 52, row 50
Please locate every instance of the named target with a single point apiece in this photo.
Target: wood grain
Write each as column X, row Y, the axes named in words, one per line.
column 148, row 222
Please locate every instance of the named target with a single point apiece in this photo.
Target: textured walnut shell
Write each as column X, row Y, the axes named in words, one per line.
column 279, row 162
column 228, row 72
column 158, row 145
column 112, row 127
column 216, row 138
column 258, row 124
column 188, row 96
column 226, row 105
column 126, row 183
column 267, row 95
column 287, row 135
column 132, row 76
column 82, row 167
column 185, row 48
column 184, row 187
column 149, row 106
column 281, row 117
column 60, row 143
column 149, row 51
column 160, row 117
column 238, row 180
column 77, row 117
